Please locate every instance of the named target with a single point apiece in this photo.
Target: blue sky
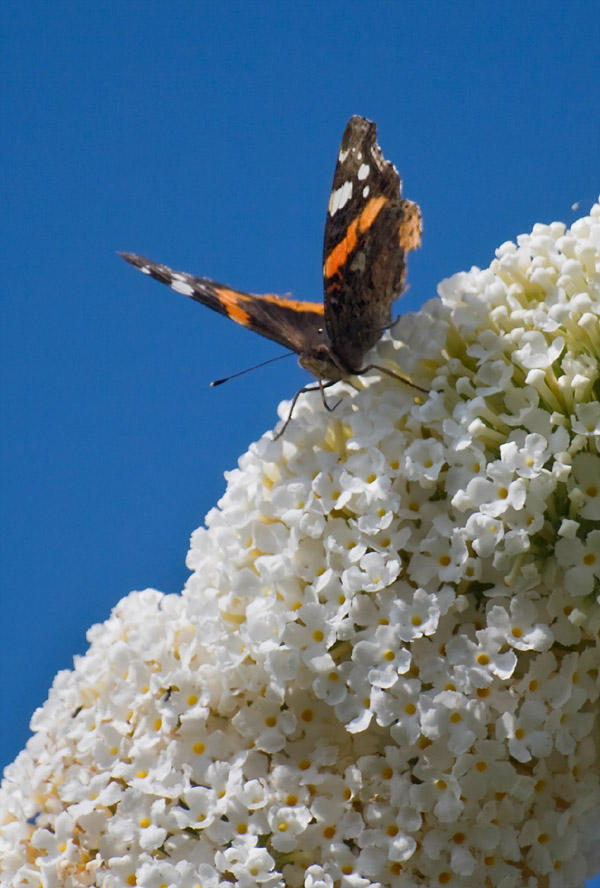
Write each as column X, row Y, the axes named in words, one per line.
column 204, row 135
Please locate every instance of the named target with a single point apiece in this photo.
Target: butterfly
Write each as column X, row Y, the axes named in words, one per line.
column 369, row 229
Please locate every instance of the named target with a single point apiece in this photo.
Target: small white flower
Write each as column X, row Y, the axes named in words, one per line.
column 443, row 556
column 527, row 460
column 581, row 561
column 536, row 352
column 372, row 573
column 382, row 657
column 485, row 533
column 517, row 626
column 586, row 477
column 525, row 732
column 423, row 460
column 316, row 877
column 415, row 615
column 287, row 825
column 587, row 419
column 495, row 494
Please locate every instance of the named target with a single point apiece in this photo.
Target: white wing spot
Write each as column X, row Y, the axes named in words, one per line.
column 180, row 286
column 343, row 155
column 359, row 155
column 359, row 263
column 145, row 269
column 366, row 190
column 363, row 171
column 340, row 197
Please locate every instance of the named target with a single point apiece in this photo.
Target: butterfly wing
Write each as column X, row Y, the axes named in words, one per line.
column 295, row 325
column 368, row 231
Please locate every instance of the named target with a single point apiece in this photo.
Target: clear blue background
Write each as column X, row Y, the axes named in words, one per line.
column 204, row 135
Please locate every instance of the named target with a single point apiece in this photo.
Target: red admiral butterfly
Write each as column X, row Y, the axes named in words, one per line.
column 368, row 231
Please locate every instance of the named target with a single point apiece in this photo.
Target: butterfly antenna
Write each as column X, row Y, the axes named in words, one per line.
column 248, row 369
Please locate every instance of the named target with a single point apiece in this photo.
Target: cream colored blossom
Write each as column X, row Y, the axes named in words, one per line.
column 384, row 669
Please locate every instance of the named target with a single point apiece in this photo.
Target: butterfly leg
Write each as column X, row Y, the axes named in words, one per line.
column 320, row 386
column 394, row 375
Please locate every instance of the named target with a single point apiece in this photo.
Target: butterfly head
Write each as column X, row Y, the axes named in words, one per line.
column 320, row 359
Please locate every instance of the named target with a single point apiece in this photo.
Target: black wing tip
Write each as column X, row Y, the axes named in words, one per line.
column 362, row 120
column 362, row 125
column 133, row 259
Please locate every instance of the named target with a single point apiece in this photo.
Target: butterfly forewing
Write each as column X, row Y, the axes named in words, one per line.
column 368, row 230
column 293, row 324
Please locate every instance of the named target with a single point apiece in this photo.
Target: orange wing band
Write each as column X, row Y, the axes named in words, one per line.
column 340, row 253
column 232, row 303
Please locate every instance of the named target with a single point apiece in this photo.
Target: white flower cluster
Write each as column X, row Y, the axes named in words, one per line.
column 384, row 669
